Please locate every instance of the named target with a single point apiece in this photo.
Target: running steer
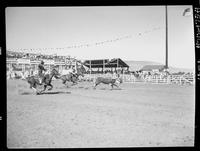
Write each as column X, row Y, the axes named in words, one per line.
column 112, row 82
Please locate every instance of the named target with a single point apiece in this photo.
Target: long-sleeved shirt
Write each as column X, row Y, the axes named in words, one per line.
column 40, row 69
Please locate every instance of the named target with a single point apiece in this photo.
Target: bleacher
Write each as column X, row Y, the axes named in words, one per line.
column 21, row 62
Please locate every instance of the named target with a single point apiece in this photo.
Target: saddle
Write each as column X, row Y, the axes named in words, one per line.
column 75, row 75
column 37, row 77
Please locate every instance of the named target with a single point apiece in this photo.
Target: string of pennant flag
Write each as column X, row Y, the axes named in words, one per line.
column 90, row 44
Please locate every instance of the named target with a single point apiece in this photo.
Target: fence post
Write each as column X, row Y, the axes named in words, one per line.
column 156, row 79
column 169, row 79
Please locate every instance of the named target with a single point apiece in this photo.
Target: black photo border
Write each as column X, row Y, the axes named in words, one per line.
column 57, row 3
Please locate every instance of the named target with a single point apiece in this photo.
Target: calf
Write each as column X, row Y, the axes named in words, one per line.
column 112, row 82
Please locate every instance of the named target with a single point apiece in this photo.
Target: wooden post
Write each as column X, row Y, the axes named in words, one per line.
column 90, row 67
column 23, row 67
column 103, row 66
column 60, row 68
column 9, row 65
column 156, row 78
column 117, row 63
column 123, row 73
column 75, row 65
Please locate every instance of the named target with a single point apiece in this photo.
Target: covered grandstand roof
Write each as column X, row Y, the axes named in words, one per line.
column 100, row 63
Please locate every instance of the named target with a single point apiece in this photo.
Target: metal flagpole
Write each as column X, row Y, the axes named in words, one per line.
column 166, row 55
column 117, row 64
column 166, row 22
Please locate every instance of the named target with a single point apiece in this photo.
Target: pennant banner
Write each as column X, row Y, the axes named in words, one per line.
column 92, row 44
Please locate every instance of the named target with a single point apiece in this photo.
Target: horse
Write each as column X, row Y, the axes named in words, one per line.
column 107, row 80
column 34, row 81
column 72, row 78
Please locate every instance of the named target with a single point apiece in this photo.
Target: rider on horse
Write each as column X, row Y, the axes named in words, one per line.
column 70, row 70
column 115, row 75
column 40, row 72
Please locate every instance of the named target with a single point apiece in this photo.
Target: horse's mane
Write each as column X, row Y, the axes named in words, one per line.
column 54, row 70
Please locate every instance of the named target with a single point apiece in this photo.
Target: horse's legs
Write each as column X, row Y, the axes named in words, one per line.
column 50, row 86
column 64, row 81
column 95, row 84
column 33, row 86
column 63, row 78
column 45, row 86
column 34, row 89
column 73, row 80
column 66, row 84
column 112, row 85
column 115, row 85
column 74, row 83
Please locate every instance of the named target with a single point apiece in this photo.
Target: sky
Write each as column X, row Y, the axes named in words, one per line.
column 104, row 32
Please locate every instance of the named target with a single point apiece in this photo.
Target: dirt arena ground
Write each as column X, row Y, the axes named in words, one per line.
column 138, row 115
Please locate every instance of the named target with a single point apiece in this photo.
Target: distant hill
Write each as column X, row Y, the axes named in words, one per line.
column 137, row 65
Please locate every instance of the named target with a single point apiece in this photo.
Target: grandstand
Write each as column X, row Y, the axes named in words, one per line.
column 106, row 65
column 18, row 61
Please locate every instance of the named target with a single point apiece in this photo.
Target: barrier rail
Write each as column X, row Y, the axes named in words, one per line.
column 128, row 78
column 156, row 79
column 170, row 79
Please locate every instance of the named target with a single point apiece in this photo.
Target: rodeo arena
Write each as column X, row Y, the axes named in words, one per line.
column 102, row 103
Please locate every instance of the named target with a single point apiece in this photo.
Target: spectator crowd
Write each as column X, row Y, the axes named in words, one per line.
column 33, row 56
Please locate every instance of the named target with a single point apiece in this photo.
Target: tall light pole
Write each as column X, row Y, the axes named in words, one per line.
column 166, row 48
column 186, row 12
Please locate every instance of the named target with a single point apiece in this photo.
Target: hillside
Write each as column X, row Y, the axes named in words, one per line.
column 137, row 65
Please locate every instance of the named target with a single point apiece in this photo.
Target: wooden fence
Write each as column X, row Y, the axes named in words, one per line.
column 128, row 78
column 155, row 79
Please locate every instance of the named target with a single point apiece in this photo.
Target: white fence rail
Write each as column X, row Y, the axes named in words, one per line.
column 128, row 78
column 157, row 79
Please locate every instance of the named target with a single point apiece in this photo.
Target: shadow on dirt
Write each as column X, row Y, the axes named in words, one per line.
column 80, row 87
column 44, row 93
column 110, row 89
column 56, row 92
column 25, row 93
